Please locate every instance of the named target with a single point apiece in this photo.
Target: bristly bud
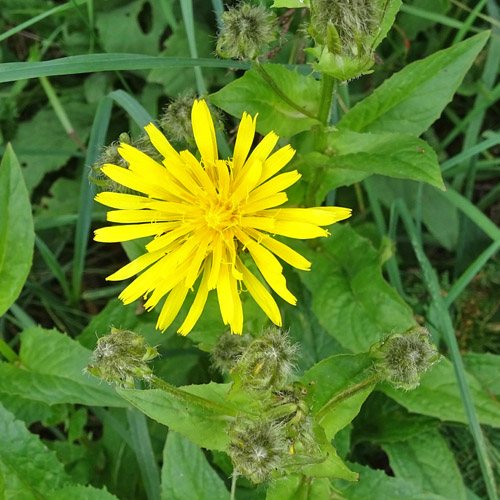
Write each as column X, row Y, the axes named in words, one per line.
column 121, row 357
column 111, row 155
column 401, row 358
column 247, row 30
column 267, row 363
column 175, row 121
column 344, row 25
column 257, row 449
column 228, row 350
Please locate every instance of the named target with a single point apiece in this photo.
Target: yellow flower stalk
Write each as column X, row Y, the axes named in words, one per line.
column 203, row 214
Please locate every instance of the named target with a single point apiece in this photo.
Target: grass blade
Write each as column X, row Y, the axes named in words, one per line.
column 91, row 63
column 432, row 283
column 87, row 190
column 132, row 107
column 434, row 16
column 144, row 453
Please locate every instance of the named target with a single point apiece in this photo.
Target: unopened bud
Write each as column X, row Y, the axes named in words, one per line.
column 401, row 358
column 267, row 363
column 247, row 30
column 257, row 449
column 227, row 351
column 121, row 357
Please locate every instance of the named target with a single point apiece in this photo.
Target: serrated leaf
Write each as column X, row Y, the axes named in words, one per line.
column 251, row 93
column 30, row 470
column 422, row 460
column 52, row 371
column 350, row 297
column 186, row 472
column 438, row 396
column 411, row 100
column 17, row 236
column 329, row 378
column 202, row 424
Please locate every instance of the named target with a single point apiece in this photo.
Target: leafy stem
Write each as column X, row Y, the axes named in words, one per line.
column 328, row 89
column 269, row 80
column 7, row 352
column 346, row 394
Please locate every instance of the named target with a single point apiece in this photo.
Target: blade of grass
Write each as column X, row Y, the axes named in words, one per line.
column 468, row 275
column 219, row 10
column 7, row 352
column 54, row 266
column 473, row 15
column 132, row 107
column 30, row 22
column 187, row 15
column 25, row 320
column 87, row 190
column 91, row 63
column 144, row 453
column 432, row 283
column 168, row 13
column 434, row 16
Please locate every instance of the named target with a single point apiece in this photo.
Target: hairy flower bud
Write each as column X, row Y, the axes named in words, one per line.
column 401, row 358
column 267, row 363
column 257, row 448
column 227, row 351
column 247, row 30
column 121, row 357
column 175, row 121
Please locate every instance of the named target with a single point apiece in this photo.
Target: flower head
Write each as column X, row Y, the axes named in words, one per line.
column 203, row 214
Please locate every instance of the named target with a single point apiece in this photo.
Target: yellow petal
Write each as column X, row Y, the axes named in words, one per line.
column 298, row 230
column 321, row 216
column 236, row 323
column 260, row 294
column 161, row 143
column 168, row 238
column 224, row 294
column 136, row 266
column 285, row 253
column 274, row 185
column 172, row 306
column 198, row 304
column 276, row 162
column 113, row 234
column 204, row 132
column 122, row 200
column 269, row 202
column 137, row 216
column 132, row 180
column 249, row 177
column 198, row 171
column 264, row 148
column 142, row 164
column 244, row 140
column 216, row 260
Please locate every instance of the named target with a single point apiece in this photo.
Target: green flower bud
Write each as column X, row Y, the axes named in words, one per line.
column 247, row 30
column 227, row 350
column 267, row 363
column 402, row 357
column 175, row 121
column 121, row 357
column 257, row 449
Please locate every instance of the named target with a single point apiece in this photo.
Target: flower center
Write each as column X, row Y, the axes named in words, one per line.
column 220, row 216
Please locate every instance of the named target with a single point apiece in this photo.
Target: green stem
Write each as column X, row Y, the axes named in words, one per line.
column 7, row 352
column 269, row 80
column 233, row 485
column 348, row 393
column 328, row 89
column 158, row 383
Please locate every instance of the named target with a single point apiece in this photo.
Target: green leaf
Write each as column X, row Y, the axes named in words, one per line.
column 251, row 93
column 30, row 470
column 300, row 487
column 52, row 371
column 395, row 155
column 438, row 396
column 485, row 367
column 411, row 100
column 290, row 4
column 17, row 235
column 422, row 460
column 81, row 492
column 331, row 377
column 203, row 424
column 350, row 297
column 375, row 484
column 186, row 472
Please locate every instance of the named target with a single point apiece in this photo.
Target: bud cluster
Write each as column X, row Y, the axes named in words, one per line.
column 121, row 357
column 401, row 358
column 228, row 350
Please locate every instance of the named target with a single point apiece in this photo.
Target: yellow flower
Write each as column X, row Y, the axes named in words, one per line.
column 203, row 215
